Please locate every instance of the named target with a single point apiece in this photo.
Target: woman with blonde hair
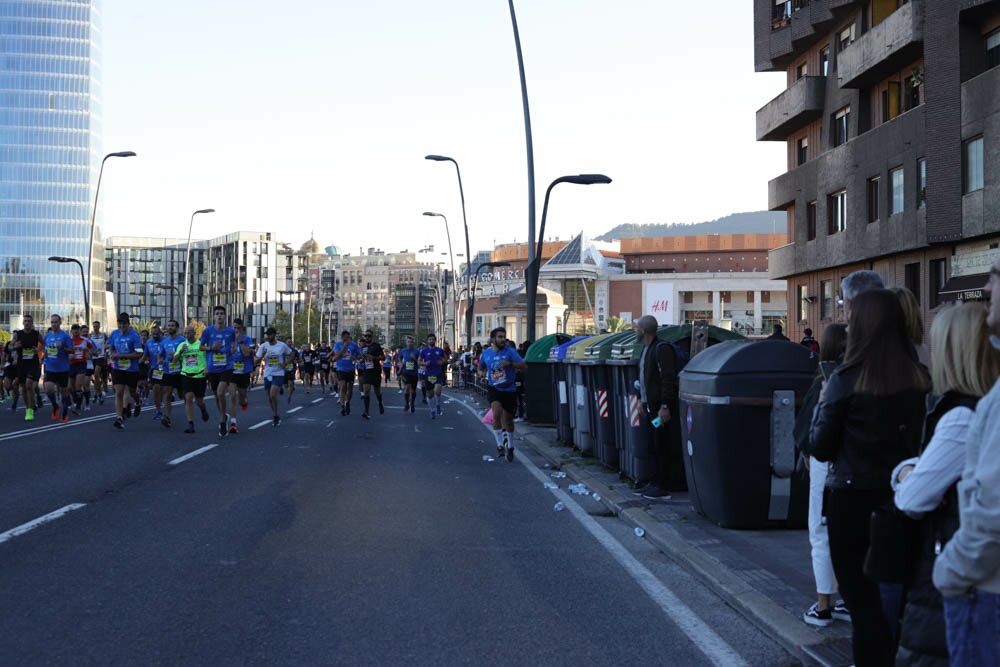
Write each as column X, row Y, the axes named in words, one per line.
column 914, row 323
column 965, row 368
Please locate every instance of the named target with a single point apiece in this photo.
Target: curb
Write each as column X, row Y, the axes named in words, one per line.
column 794, row 636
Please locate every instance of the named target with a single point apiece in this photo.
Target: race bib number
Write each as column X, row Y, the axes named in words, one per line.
column 273, row 360
column 219, row 358
column 410, row 365
column 124, row 364
column 78, row 353
column 190, row 361
column 175, row 364
column 499, row 376
column 432, row 378
column 238, row 366
column 52, row 350
column 157, row 374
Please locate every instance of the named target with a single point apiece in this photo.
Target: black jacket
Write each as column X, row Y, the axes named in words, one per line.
column 922, row 639
column 660, row 373
column 864, row 436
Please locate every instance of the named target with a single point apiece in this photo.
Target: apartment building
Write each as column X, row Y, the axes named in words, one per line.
column 891, row 118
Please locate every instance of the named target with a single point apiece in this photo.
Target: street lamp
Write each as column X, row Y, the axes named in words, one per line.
column 535, row 261
column 86, row 299
column 169, row 287
column 187, row 260
column 472, row 300
column 93, row 218
column 465, row 222
column 295, row 293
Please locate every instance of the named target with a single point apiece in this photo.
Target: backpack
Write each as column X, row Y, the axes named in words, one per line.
column 681, row 356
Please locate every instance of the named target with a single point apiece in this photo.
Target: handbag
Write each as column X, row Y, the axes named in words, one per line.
column 893, row 547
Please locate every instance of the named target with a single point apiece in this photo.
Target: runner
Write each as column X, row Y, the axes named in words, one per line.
column 89, row 370
column 10, row 360
column 58, row 347
column 143, row 370
column 125, row 348
column 387, row 367
column 498, row 363
column 323, row 356
column 152, row 359
column 274, row 353
column 432, row 361
column 422, row 377
column 243, row 361
column 290, row 364
column 100, row 362
column 344, row 354
column 79, row 381
column 409, row 358
column 194, row 376
column 28, row 346
column 371, row 376
column 170, row 362
column 220, row 340
column 308, row 356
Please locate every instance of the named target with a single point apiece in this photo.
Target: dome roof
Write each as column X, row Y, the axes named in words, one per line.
column 333, row 251
column 310, row 247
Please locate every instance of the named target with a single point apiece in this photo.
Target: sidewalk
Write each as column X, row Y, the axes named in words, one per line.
column 765, row 574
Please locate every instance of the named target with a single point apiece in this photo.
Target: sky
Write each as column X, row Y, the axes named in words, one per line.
column 314, row 117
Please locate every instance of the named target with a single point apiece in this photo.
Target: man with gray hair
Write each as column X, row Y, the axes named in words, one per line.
column 855, row 283
column 659, row 393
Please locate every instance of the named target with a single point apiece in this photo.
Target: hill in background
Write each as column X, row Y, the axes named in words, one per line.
column 756, row 222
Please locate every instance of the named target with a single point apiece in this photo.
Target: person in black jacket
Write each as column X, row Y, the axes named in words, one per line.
column 868, row 420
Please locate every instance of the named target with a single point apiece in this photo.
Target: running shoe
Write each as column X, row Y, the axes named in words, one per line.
column 440, row 412
column 365, row 415
column 29, row 415
column 433, row 415
column 204, row 414
column 165, row 422
column 55, row 413
column 86, row 407
column 510, row 453
column 276, row 420
column 233, row 429
column 244, row 406
column 222, row 429
column 190, row 428
column 65, row 417
column 100, row 398
column 656, row 493
column 381, row 409
column 157, row 415
column 119, row 424
column 348, row 407
column 126, row 412
column 818, row 617
column 343, row 411
column 138, row 409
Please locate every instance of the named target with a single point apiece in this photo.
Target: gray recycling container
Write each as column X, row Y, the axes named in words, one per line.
column 738, row 401
column 562, row 391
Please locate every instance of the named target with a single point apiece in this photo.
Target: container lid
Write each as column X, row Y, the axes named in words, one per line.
column 760, row 357
column 579, row 350
column 559, row 352
column 539, row 350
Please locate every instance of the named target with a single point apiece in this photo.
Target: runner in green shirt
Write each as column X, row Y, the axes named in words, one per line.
column 193, row 376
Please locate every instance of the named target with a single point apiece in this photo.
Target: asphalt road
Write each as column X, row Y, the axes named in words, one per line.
column 327, row 540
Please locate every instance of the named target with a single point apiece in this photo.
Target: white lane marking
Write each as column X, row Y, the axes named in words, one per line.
column 263, row 423
column 317, row 400
column 51, row 516
column 193, row 454
column 330, row 424
column 110, row 416
column 295, row 409
column 707, row 640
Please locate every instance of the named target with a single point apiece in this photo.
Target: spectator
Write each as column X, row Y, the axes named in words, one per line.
column 968, row 570
column 914, row 323
column 809, row 341
column 966, row 366
column 868, row 420
column 825, row 609
column 776, row 333
column 854, row 284
column 658, row 391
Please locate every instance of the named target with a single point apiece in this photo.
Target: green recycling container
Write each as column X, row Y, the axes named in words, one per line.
column 538, row 379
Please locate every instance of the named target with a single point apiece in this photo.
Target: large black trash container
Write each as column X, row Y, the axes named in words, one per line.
column 538, row 396
column 597, row 376
column 738, row 402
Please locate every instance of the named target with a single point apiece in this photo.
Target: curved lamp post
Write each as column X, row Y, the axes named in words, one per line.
column 93, row 218
column 465, row 222
column 535, row 262
column 86, row 299
column 451, row 255
column 187, row 261
column 470, row 313
column 176, row 290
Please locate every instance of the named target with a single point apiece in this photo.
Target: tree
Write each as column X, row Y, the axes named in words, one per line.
column 356, row 330
column 616, row 324
column 141, row 325
column 4, row 336
column 282, row 324
column 199, row 327
column 376, row 332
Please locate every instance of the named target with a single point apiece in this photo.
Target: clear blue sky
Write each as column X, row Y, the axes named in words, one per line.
column 316, row 115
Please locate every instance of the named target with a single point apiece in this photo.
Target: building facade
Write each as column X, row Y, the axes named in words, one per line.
column 891, row 119
column 50, row 154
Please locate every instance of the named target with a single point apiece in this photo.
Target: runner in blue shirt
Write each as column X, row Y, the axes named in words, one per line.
column 58, row 347
column 345, row 352
column 432, row 361
column 499, row 363
column 218, row 342
column 243, row 362
column 153, row 357
column 124, row 350
column 409, row 360
column 171, row 366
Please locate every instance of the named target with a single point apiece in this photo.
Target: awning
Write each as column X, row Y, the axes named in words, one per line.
column 965, row 288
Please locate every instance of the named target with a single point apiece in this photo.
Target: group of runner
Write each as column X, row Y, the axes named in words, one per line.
column 161, row 364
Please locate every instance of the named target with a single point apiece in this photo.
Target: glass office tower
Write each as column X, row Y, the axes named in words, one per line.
column 50, row 154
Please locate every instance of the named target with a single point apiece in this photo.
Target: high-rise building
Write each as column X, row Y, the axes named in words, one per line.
column 50, row 154
column 891, row 119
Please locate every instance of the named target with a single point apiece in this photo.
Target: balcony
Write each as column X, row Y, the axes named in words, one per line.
column 792, row 110
column 884, row 49
column 781, row 262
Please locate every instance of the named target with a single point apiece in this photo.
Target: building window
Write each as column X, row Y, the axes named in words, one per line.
column 911, row 279
column 800, row 299
column 993, row 49
column 838, row 129
column 811, row 221
column 911, row 93
column 802, row 150
column 688, row 297
column 845, row 37
column 765, row 297
column 921, row 183
column 826, row 299
column 972, row 165
column 801, row 71
column 936, row 278
column 824, row 60
column 836, row 206
column 873, row 188
column 890, row 101
column 896, row 182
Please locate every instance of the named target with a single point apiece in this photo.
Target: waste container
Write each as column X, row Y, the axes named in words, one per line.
column 597, row 377
column 583, row 438
column 561, row 390
column 738, row 402
column 538, row 378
